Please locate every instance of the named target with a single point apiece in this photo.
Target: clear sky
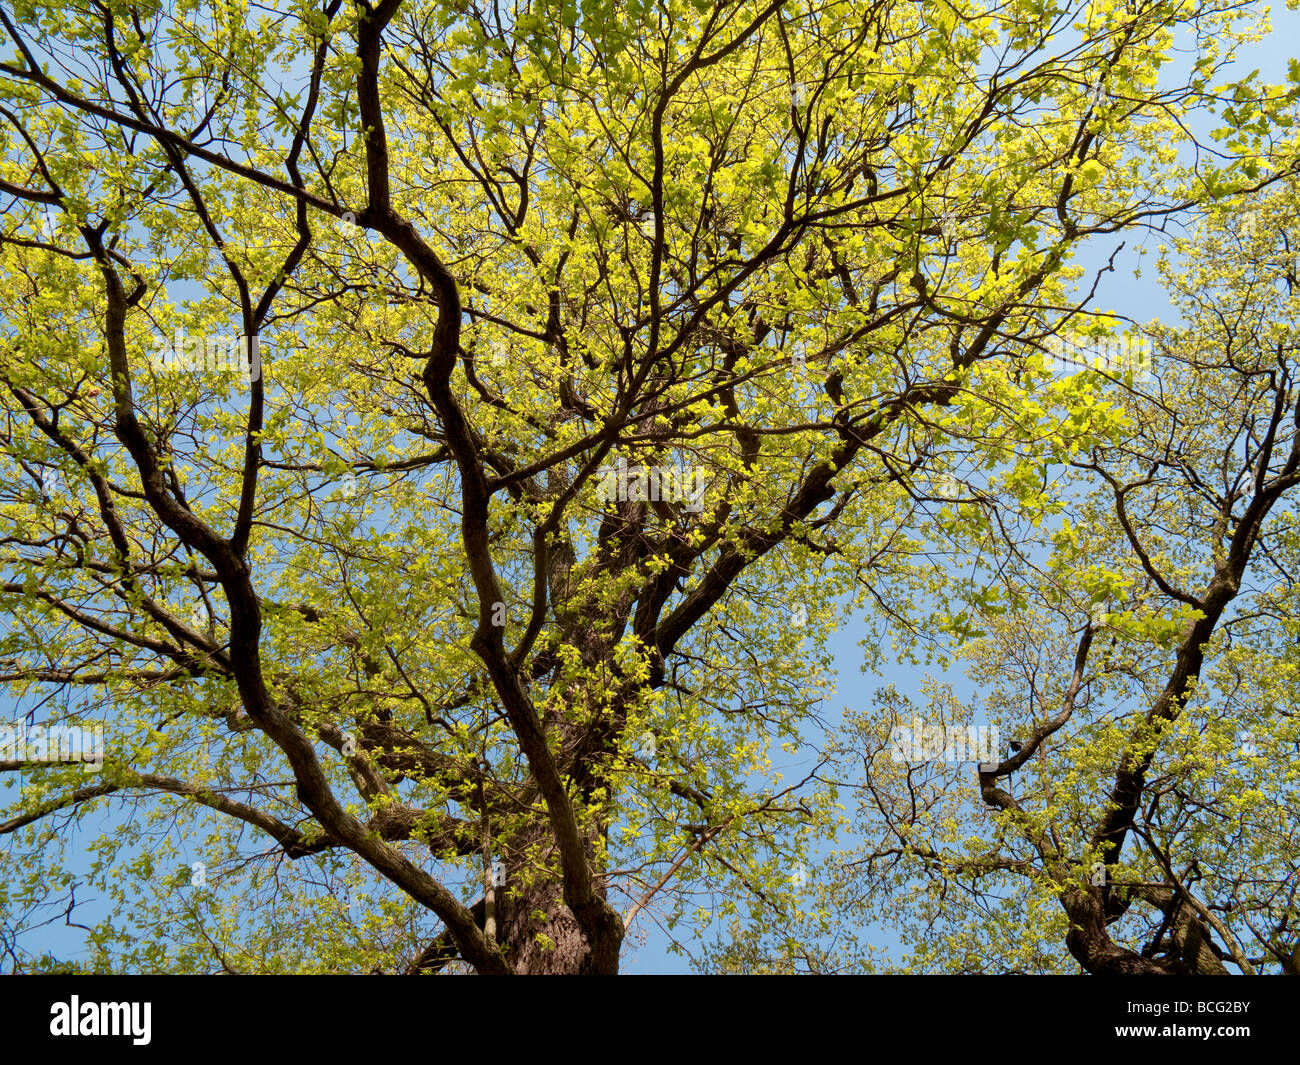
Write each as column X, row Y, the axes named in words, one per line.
column 1138, row 298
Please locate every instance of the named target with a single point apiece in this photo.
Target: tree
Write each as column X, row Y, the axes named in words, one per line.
column 590, row 361
column 1136, row 636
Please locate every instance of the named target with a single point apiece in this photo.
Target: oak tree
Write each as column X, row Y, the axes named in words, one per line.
column 439, row 439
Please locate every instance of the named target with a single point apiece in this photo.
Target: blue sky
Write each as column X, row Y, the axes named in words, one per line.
column 1138, row 298
column 1119, row 292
